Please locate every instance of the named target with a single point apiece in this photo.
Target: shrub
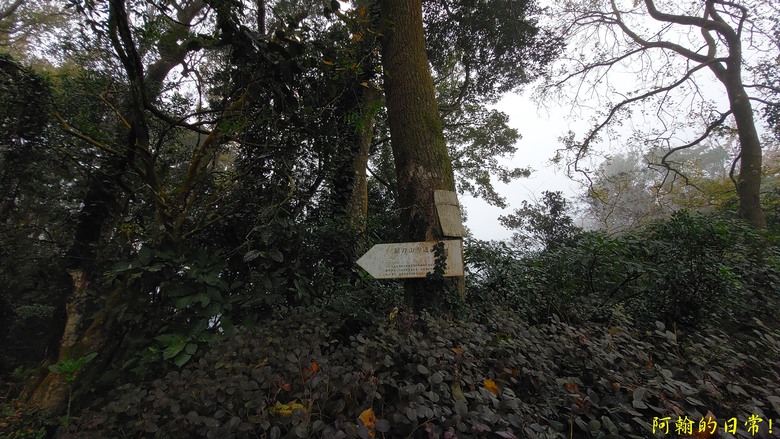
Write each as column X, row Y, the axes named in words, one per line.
column 690, row 270
column 301, row 376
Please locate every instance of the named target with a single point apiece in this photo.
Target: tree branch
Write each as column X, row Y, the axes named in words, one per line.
column 583, row 148
column 687, row 20
column 710, row 128
column 694, row 56
column 68, row 129
column 7, row 12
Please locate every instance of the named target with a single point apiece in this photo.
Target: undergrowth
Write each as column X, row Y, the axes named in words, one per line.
column 429, row 377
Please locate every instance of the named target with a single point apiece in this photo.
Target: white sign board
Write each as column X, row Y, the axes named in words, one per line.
column 449, row 213
column 411, row 259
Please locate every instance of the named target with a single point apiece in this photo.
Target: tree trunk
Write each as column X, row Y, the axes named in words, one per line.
column 101, row 202
column 358, row 201
column 422, row 161
column 749, row 179
column 53, row 393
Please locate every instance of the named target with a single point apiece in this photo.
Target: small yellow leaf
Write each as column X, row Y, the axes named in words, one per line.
column 394, row 311
column 457, row 393
column 327, row 63
column 491, row 386
column 286, row 409
column 369, row 419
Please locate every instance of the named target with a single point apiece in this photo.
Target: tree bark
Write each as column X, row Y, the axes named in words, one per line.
column 421, row 158
column 749, row 180
column 357, row 208
column 729, row 73
column 348, row 201
column 750, row 165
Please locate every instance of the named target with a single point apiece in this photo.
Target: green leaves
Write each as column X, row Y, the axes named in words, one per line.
column 180, row 348
column 689, row 270
column 273, row 254
column 297, row 373
column 69, row 367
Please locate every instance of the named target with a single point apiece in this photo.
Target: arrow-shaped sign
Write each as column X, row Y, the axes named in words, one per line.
column 411, row 259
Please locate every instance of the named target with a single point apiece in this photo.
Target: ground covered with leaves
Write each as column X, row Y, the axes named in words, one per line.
column 491, row 376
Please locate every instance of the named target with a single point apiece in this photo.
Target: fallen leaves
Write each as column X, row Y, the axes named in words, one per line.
column 308, row 372
column 286, row 409
column 491, row 386
column 369, row 420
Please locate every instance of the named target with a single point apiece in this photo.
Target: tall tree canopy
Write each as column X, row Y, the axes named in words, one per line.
column 203, row 162
column 673, row 50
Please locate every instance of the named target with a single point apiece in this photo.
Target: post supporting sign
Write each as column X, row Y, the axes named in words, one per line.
column 411, row 259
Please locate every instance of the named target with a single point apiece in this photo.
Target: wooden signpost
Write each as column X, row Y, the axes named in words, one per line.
column 411, row 259
column 448, row 209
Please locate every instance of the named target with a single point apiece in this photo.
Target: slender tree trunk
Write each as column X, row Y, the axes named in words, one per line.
column 357, row 207
column 749, row 180
column 422, row 161
column 260, row 4
column 348, row 201
column 51, row 393
column 750, row 169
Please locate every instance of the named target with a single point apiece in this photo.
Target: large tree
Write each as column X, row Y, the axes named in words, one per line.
column 669, row 47
column 422, row 162
column 476, row 51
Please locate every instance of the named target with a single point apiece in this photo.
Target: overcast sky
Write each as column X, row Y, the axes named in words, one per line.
column 540, row 129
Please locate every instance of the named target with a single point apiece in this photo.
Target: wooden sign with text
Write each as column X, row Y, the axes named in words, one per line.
column 411, row 259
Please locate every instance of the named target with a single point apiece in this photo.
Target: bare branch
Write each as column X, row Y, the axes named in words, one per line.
column 663, row 44
column 687, row 20
column 763, row 101
column 614, row 110
column 11, row 9
column 608, row 63
column 769, row 87
column 670, row 168
column 68, row 129
column 734, row 167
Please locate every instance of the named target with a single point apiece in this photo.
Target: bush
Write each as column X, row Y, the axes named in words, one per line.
column 690, row 270
column 301, row 376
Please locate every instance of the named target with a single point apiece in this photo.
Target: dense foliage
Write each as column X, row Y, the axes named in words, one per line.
column 305, row 375
column 691, row 270
column 186, row 185
column 597, row 338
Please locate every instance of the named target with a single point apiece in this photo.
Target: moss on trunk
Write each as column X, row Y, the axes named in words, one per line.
column 422, row 161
